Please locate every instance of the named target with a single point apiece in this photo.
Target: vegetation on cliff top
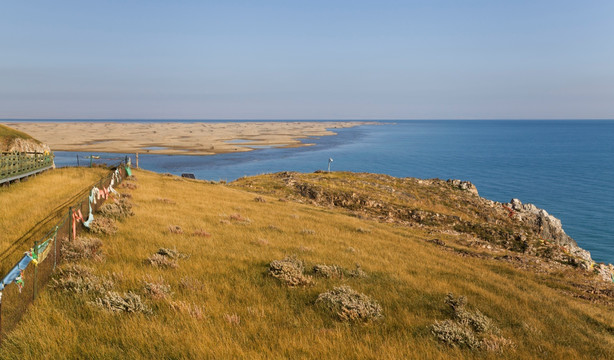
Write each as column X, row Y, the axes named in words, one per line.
column 8, row 135
column 219, row 300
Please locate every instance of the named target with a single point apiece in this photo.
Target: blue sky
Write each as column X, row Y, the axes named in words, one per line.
column 311, row 59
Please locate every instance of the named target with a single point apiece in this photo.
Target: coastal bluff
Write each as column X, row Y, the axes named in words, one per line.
column 513, row 231
column 295, row 265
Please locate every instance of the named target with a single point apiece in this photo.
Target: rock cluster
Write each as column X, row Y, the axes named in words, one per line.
column 548, row 228
column 463, row 185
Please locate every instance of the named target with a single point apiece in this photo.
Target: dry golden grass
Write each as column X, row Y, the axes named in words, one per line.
column 41, row 199
column 224, row 305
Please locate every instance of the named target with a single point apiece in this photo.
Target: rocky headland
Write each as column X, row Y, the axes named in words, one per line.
column 514, row 232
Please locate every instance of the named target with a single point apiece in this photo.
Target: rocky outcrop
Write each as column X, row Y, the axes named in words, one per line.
column 438, row 206
column 26, row 145
column 548, row 228
column 463, row 185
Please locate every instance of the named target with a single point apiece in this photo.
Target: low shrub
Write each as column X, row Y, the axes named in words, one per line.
column 165, row 201
column 128, row 185
column 82, row 247
column 157, row 290
column 79, row 279
column 194, row 310
column 239, row 219
column 454, row 333
column 161, row 261
column 127, row 302
column 358, row 273
column 119, row 209
column 103, row 225
column 175, row 229
column 290, row 272
column 328, row 271
column 232, row 319
column 469, row 329
column 349, row 305
column 172, row 253
column 201, row 233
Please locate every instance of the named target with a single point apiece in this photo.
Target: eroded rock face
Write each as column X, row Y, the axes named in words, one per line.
column 463, row 185
column 548, row 228
column 27, row 145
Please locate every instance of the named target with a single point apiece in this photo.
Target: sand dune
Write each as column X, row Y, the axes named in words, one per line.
column 198, row 138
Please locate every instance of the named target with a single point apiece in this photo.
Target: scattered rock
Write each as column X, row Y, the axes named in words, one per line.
column 436, row 242
column 463, row 185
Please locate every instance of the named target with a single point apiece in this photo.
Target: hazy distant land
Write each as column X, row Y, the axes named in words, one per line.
column 195, row 138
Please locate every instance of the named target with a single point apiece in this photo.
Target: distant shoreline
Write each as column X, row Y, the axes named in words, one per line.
column 179, row 137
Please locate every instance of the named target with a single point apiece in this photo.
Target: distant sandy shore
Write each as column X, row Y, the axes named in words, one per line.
column 175, row 138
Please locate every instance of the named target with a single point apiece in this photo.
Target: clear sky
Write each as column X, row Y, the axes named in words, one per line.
column 308, row 59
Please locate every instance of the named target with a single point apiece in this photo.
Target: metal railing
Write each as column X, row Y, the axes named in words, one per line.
column 17, row 165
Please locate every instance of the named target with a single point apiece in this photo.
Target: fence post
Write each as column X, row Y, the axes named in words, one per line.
column 35, row 255
column 70, row 225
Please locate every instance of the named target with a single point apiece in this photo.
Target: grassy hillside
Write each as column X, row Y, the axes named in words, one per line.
column 7, row 135
column 31, row 207
column 223, row 303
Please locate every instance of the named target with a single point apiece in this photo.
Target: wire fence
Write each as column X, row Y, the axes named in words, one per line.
column 44, row 255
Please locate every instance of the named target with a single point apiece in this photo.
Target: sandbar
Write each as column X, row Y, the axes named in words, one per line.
column 177, row 138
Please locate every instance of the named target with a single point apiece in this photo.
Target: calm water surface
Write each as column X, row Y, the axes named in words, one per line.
column 565, row 167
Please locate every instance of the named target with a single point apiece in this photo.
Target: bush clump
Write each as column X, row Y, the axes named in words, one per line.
column 82, row 247
column 118, row 210
column 128, row 302
column 157, row 290
column 358, row 273
column 349, row 305
column 166, row 258
column 161, row 261
column 171, row 253
column 290, row 272
column 103, row 225
column 175, row 229
column 128, row 185
column 79, row 279
column 328, row 271
column 469, row 329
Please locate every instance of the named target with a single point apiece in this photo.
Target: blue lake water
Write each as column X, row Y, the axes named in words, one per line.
column 565, row 167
